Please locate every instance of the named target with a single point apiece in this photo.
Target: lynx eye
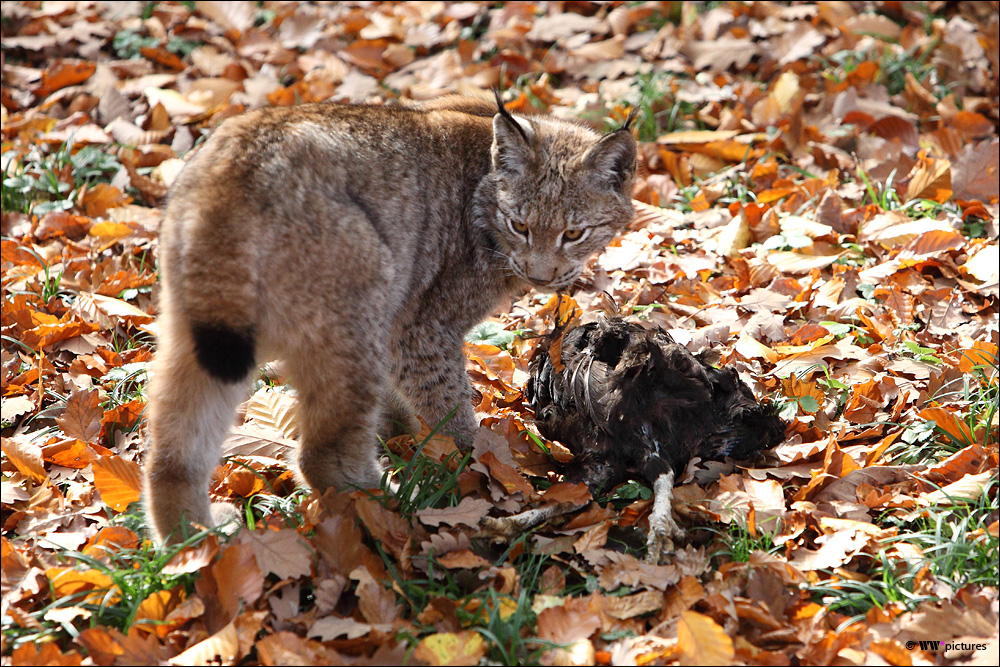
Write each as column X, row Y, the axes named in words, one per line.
column 571, row 235
column 519, row 227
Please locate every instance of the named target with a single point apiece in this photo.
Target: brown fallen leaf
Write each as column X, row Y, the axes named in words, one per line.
column 82, row 417
column 223, row 646
column 26, row 457
column 468, row 512
column 283, row 553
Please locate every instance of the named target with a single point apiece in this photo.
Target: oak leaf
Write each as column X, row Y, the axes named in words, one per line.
column 283, row 553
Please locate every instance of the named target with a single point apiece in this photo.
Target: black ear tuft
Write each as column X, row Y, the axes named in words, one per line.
column 505, row 114
column 628, row 120
column 511, row 150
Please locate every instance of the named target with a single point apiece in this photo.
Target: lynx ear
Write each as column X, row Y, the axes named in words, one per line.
column 511, row 148
column 612, row 159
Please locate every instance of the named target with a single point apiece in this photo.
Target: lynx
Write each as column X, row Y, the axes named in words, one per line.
column 359, row 244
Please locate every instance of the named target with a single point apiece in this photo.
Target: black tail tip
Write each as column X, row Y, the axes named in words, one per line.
column 225, row 353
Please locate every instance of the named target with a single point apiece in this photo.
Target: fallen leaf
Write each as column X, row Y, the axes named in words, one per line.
column 118, row 481
column 468, row 512
column 702, row 641
column 449, row 648
column 283, row 553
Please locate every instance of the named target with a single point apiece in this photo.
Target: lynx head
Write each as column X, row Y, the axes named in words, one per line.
column 562, row 192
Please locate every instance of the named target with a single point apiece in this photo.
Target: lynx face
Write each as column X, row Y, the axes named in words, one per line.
column 561, row 196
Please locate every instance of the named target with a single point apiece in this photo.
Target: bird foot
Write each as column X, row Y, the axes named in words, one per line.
column 660, row 541
column 507, row 527
column 663, row 530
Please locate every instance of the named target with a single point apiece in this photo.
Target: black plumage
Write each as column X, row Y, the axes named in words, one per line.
column 629, row 402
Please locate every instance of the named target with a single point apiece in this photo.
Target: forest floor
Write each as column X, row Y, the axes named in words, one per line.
column 817, row 202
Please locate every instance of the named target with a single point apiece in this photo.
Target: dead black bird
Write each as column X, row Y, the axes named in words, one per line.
column 629, row 402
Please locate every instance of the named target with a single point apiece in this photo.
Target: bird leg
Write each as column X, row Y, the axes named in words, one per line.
column 506, row 527
column 662, row 527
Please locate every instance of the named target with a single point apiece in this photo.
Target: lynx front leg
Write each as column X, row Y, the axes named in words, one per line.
column 429, row 368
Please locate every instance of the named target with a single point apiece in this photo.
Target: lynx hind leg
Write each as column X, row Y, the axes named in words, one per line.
column 398, row 415
column 190, row 410
column 341, row 387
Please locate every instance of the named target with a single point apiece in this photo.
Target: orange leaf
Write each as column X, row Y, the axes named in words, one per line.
column 69, row 453
column 67, row 581
column 568, row 492
column 99, row 198
column 47, row 335
column 932, row 243
column 702, row 641
column 982, row 353
column 45, row 653
column 956, row 429
column 62, row 223
column 118, row 481
column 108, row 231
column 773, row 195
column 699, row 203
column 507, row 475
column 154, row 609
column 109, row 539
column 100, row 645
column 163, row 57
column 972, row 124
column 495, row 361
column 563, row 308
column 555, row 352
column 62, row 74
column 194, row 557
column 894, row 127
column 238, row 578
column 122, row 417
column 967, row 461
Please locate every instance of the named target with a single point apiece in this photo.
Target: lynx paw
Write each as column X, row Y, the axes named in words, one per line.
column 227, row 516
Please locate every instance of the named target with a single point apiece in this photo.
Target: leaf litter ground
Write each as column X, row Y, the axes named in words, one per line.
column 817, row 201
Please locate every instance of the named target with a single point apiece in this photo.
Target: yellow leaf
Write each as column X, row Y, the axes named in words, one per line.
column 118, row 481
column 695, row 136
column 702, row 641
column 110, row 231
column 451, row 648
